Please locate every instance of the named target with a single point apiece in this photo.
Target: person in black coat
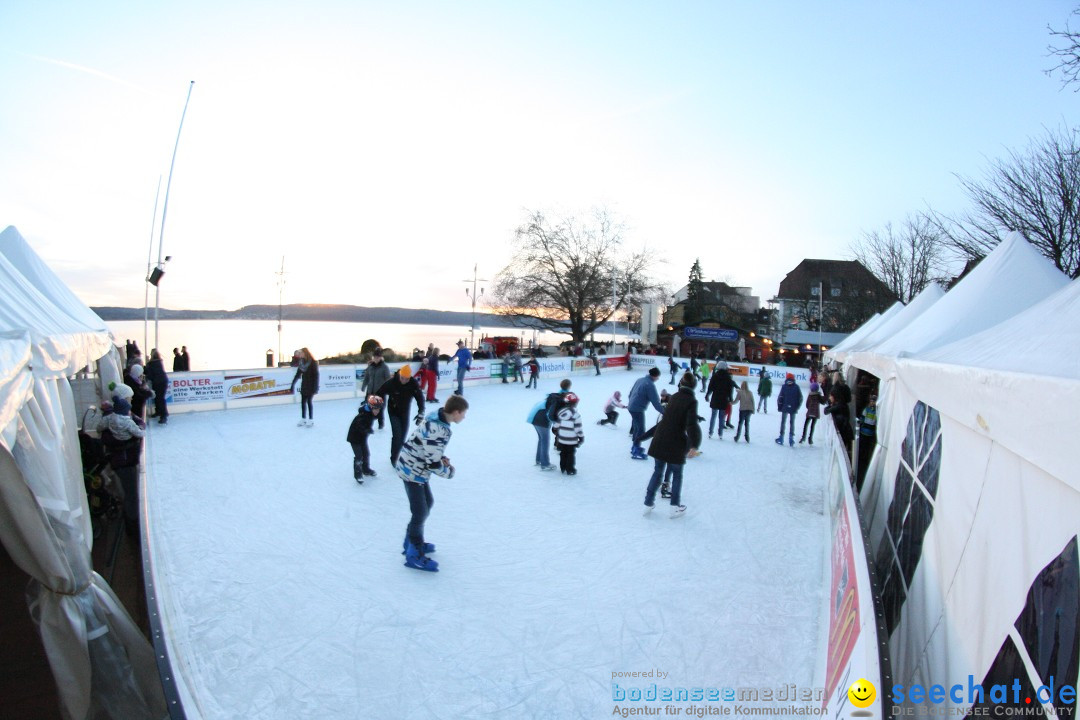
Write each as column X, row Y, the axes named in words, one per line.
column 841, row 416
column 159, row 383
column 722, row 390
column 401, row 388
column 307, row 372
column 357, row 437
column 677, row 437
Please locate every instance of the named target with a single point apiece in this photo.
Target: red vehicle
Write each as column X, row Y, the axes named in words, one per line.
column 499, row 345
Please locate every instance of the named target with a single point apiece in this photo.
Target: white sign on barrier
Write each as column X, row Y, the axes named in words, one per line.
column 196, row 387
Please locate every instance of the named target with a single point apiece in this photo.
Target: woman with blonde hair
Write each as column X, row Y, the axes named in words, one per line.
column 307, row 372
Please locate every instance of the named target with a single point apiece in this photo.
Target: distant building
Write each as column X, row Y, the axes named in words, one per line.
column 721, row 303
column 833, row 296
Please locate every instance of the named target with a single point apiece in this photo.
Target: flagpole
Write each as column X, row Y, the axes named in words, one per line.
column 165, row 209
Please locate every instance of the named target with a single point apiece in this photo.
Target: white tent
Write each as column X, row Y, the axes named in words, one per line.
column 864, row 335
column 103, row 666
column 972, row 499
column 1009, row 280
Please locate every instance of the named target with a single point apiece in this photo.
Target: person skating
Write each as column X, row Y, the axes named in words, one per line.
column 615, row 401
column 357, row 437
column 307, row 372
column 534, row 372
column 401, row 389
column 375, row 375
column 642, row 394
column 569, row 435
column 721, row 389
column 674, row 368
column 764, row 390
column 517, row 363
column 788, row 402
column 433, row 368
column 464, row 361
column 746, row 409
column 677, row 437
column 813, row 412
column 538, row 417
column 422, row 456
column 705, row 370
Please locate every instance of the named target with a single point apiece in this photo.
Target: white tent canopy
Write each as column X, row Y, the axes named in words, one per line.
column 104, row 668
column 972, row 495
column 1010, row 279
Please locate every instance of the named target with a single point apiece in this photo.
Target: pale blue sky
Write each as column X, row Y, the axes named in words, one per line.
column 384, row 148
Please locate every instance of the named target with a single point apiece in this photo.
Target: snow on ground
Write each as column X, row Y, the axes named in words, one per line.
column 285, row 595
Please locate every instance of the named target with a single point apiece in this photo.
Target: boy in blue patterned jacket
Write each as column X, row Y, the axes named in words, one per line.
column 420, row 457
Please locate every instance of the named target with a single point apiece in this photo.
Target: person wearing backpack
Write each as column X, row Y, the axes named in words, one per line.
column 540, row 417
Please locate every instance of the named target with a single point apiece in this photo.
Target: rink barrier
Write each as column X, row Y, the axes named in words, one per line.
column 254, row 387
column 855, row 640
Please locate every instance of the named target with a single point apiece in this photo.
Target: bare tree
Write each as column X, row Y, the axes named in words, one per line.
column 564, row 274
column 906, row 259
column 1067, row 52
column 1036, row 193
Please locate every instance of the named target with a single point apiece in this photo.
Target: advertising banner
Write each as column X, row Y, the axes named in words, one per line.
column 265, row 383
column 196, row 387
column 337, row 378
column 852, row 659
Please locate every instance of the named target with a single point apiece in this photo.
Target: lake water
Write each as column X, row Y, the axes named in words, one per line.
column 225, row 344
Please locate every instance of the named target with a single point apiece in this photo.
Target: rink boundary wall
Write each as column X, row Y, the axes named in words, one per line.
column 854, row 640
column 255, row 387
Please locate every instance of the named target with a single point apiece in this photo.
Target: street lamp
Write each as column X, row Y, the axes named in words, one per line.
column 155, row 278
column 472, row 326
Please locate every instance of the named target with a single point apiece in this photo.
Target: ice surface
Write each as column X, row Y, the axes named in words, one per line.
column 285, row 595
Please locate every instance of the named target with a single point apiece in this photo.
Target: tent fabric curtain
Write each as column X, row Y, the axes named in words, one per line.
column 103, row 666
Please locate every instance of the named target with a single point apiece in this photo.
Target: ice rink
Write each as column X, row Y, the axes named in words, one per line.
column 284, row 594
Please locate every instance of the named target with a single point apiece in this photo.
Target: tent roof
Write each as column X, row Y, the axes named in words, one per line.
column 1047, row 333
column 62, row 342
column 1011, row 278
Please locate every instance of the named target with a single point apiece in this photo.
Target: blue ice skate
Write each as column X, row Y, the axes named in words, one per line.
column 428, row 547
column 417, row 561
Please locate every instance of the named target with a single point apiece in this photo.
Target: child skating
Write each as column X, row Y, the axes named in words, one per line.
column 615, row 401
column 569, row 435
column 358, row 434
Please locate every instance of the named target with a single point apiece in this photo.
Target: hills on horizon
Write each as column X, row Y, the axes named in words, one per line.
column 311, row 312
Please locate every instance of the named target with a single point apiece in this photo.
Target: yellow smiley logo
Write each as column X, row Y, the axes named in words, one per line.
column 862, row 693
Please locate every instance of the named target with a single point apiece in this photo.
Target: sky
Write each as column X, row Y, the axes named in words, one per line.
column 384, row 150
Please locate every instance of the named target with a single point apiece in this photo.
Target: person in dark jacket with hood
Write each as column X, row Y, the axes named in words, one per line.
column 376, row 373
column 721, row 389
column 788, row 403
column 401, row 388
column 159, row 383
column 307, row 372
column 677, row 437
column 357, row 437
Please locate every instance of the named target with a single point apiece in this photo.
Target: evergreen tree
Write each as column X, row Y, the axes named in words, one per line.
column 695, row 295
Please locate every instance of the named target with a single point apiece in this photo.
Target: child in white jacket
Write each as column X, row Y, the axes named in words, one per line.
column 615, row 401
column 568, row 433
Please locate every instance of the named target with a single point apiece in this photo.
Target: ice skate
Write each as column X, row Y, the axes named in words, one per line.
column 780, row 440
column 648, row 510
column 677, row 511
column 428, row 547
